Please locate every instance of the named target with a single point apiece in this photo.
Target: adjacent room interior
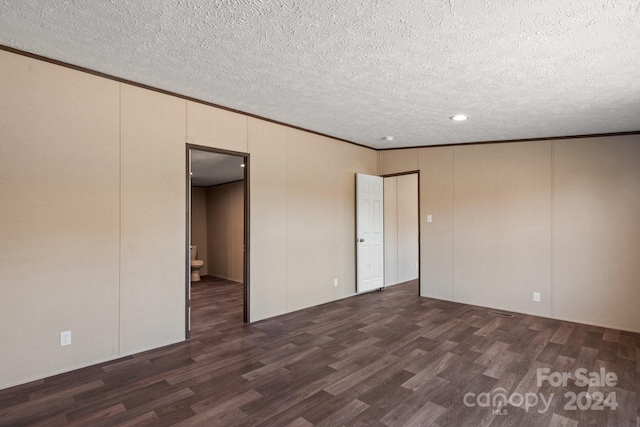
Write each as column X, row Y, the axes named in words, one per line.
column 401, row 229
column 216, row 246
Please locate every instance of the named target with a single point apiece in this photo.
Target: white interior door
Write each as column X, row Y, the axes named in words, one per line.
column 369, row 232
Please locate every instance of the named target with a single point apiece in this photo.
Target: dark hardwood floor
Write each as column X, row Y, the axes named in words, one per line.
column 385, row 358
column 215, row 305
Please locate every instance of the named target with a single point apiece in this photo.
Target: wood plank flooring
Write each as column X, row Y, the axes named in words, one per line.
column 386, row 358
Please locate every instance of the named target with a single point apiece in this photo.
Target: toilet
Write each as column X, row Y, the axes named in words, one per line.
column 196, row 264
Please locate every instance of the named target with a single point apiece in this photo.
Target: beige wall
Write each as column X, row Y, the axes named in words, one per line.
column 555, row 217
column 596, row 224
column 225, row 231
column 400, row 229
column 199, row 225
column 59, row 218
column 398, row 161
column 93, row 215
column 268, row 202
column 436, row 238
column 320, row 219
column 152, row 207
column 502, row 220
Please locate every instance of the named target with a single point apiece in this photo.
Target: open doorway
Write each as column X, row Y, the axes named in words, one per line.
column 401, row 229
column 217, row 282
column 388, row 231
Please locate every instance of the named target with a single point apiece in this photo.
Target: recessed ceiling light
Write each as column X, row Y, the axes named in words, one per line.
column 388, row 138
column 459, row 117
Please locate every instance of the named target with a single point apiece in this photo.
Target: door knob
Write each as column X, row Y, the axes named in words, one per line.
column 360, row 240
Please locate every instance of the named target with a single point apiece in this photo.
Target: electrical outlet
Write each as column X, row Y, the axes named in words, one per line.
column 65, row 338
column 536, row 296
column 335, row 282
column 429, row 218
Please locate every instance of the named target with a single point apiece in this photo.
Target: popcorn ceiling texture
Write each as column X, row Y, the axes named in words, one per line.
column 360, row 70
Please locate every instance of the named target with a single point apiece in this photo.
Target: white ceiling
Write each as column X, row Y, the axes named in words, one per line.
column 360, row 70
column 208, row 168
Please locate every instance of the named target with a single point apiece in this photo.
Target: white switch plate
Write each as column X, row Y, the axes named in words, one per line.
column 429, row 218
column 335, row 282
column 65, row 338
column 536, row 296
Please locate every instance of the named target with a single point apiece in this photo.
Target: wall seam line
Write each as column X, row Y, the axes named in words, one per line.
column 120, row 218
column 286, row 217
column 420, row 232
column 453, row 224
column 552, row 231
column 397, row 233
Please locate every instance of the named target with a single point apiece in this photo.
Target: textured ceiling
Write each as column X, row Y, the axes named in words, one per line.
column 360, row 70
column 209, row 168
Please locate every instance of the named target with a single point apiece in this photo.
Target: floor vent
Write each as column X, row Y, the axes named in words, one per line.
column 500, row 313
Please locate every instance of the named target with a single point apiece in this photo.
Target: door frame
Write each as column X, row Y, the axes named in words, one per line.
column 246, row 253
column 391, row 175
